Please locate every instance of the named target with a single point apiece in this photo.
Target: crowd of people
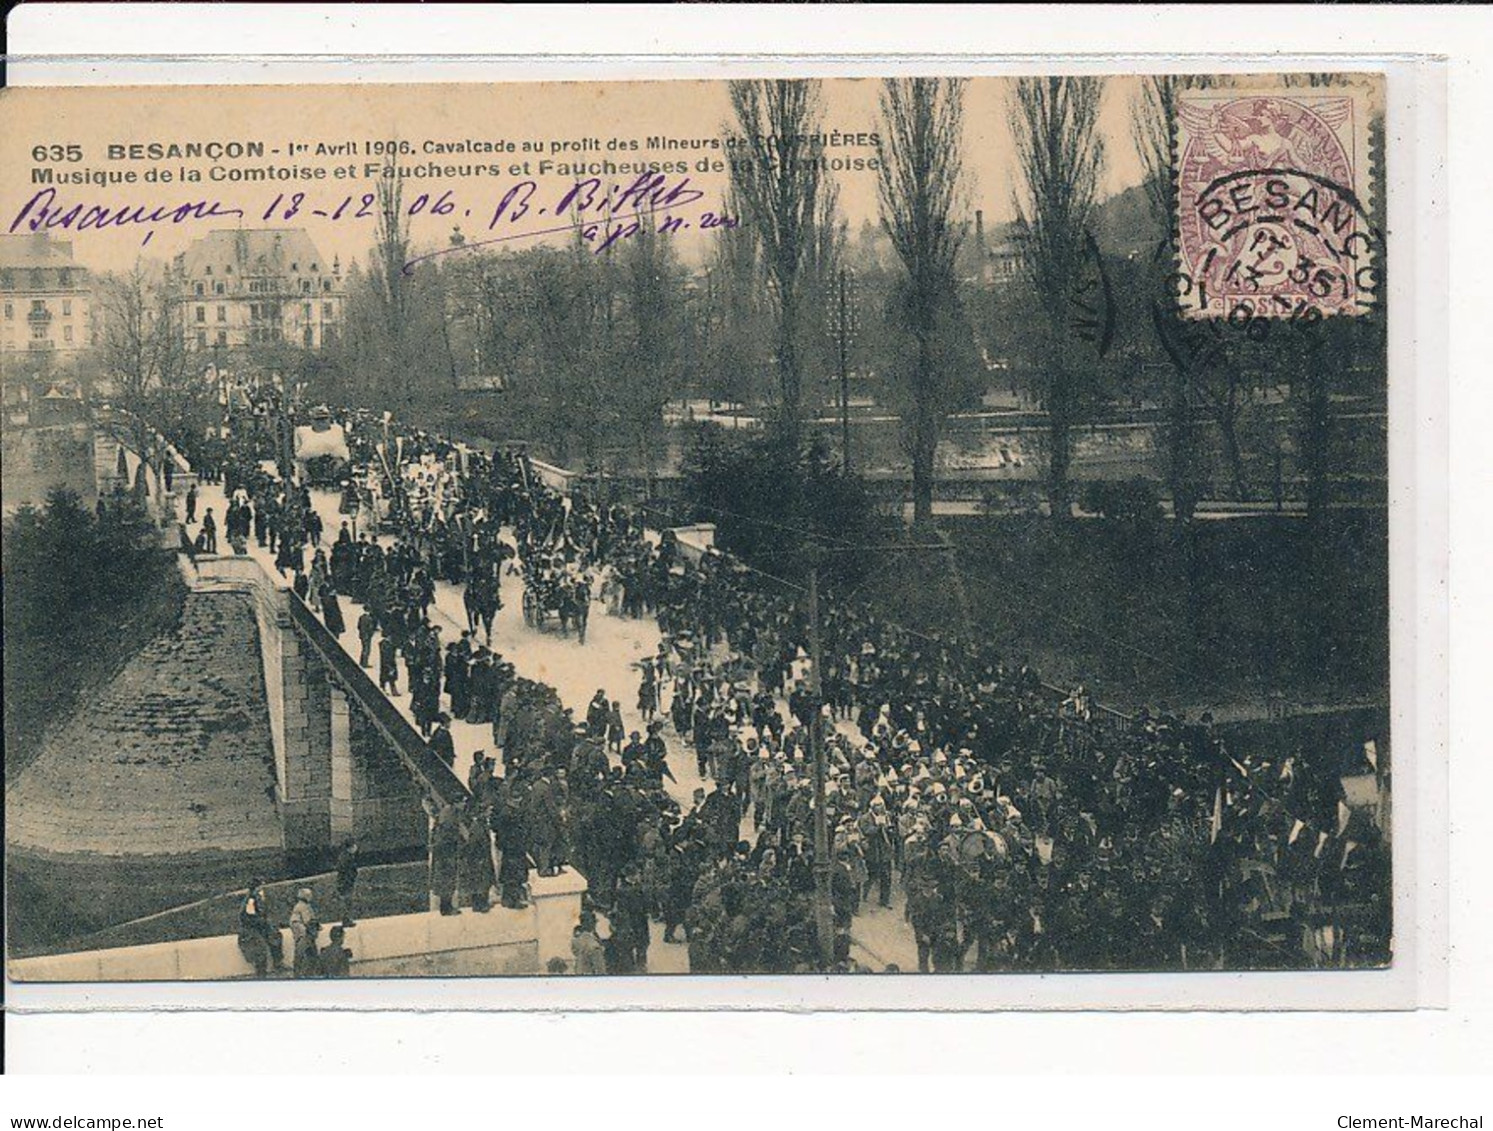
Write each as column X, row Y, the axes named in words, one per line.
column 1015, row 828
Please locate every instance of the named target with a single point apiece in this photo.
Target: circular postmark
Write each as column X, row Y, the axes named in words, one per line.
column 1267, row 222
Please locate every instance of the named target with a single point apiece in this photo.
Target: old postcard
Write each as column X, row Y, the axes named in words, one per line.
column 757, row 526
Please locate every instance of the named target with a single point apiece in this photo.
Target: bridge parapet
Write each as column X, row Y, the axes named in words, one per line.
column 500, row 941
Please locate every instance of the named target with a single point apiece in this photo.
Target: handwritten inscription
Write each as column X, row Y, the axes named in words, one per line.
column 604, row 213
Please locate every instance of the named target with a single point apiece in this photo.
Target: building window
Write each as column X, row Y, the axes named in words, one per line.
column 8, row 279
column 326, row 310
column 202, row 314
column 67, row 333
column 10, row 311
column 202, row 339
column 37, row 279
column 295, row 267
column 326, row 285
column 65, row 277
column 67, row 308
column 38, row 332
column 208, row 270
column 217, row 288
column 199, row 289
column 306, row 311
column 38, row 306
column 228, row 270
column 222, row 337
column 305, row 286
column 306, row 337
column 313, row 268
column 222, row 314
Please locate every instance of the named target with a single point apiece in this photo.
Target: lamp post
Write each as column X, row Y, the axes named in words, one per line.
column 824, row 914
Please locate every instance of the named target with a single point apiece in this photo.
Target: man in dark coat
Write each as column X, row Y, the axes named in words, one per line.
column 367, row 629
column 476, row 859
column 513, row 871
column 445, row 857
column 598, row 715
column 347, row 880
column 458, row 682
column 630, row 922
column 442, row 745
column 542, row 820
column 258, row 940
column 876, row 831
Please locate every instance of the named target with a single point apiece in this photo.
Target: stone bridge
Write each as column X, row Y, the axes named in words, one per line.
column 347, row 762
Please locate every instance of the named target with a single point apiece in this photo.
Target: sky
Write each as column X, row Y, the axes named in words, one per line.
column 586, row 122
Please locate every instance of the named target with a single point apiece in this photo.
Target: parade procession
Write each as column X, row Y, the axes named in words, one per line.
column 949, row 536
column 1019, row 827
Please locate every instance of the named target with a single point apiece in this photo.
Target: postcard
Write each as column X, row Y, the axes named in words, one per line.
column 756, row 526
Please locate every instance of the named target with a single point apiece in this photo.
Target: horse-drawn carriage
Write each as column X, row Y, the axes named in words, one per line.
column 545, row 596
column 556, row 593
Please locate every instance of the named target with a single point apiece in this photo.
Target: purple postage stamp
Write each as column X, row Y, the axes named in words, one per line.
column 1273, row 211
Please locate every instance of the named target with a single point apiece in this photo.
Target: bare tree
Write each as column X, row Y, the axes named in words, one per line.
column 143, row 352
column 920, row 187
column 734, row 321
column 1060, row 157
column 1153, row 131
column 392, row 284
column 776, row 177
column 649, row 359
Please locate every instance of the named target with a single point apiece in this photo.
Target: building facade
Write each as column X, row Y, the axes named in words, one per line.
column 48, row 308
column 242, row 288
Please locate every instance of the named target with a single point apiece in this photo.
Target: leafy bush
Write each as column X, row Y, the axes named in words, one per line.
column 769, row 500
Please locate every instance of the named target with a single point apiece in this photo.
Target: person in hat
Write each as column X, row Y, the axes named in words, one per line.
column 656, row 754
column 442, row 745
column 304, row 926
column 445, row 854
column 598, row 714
column 586, row 947
column 476, row 858
column 877, row 833
column 367, row 630
column 258, row 940
column 347, row 880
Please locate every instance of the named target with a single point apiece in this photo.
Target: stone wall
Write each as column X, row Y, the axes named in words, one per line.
column 33, row 460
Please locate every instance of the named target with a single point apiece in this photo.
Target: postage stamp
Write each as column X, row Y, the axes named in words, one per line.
column 1273, row 214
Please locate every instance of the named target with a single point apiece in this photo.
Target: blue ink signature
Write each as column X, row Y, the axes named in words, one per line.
column 604, row 215
column 648, row 195
column 42, row 212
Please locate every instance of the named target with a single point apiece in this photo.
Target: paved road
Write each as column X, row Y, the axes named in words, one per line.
column 614, row 645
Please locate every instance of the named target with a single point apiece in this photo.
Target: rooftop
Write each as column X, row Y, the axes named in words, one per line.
column 35, row 249
column 255, row 251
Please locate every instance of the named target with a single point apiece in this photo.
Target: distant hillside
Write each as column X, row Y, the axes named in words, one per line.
column 1125, row 225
